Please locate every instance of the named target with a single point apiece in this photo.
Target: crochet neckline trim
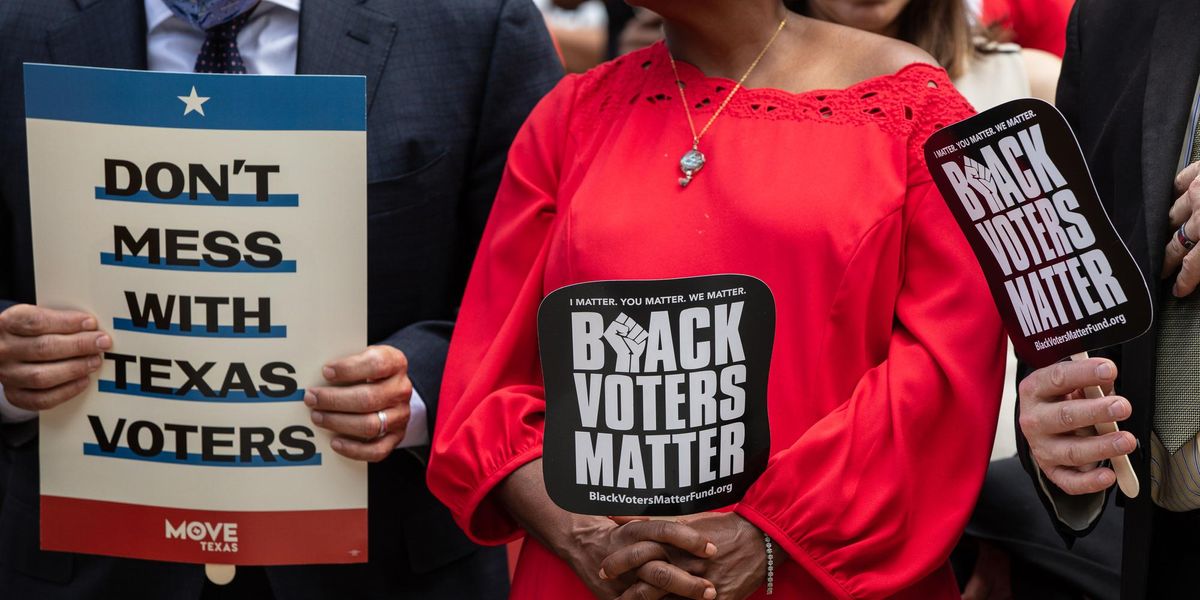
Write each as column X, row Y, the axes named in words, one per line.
column 689, row 72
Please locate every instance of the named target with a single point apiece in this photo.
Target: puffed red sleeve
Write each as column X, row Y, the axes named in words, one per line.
column 872, row 498
column 492, row 404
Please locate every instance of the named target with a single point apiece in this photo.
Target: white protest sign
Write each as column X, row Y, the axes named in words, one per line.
column 216, row 226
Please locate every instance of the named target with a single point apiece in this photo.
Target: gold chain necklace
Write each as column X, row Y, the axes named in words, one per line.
column 694, row 160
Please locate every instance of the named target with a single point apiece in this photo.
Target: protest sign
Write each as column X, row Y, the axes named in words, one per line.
column 656, row 393
column 216, row 226
column 1064, row 282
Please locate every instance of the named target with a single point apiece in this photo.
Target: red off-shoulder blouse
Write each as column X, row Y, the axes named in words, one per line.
column 885, row 379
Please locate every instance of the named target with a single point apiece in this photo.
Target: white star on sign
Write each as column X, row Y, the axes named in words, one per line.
column 193, row 103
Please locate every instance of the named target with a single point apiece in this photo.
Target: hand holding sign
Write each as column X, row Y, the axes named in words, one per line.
column 366, row 403
column 1057, row 417
column 1064, row 282
column 47, row 356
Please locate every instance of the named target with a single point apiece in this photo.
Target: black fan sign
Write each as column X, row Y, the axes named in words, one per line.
column 1016, row 181
column 656, row 393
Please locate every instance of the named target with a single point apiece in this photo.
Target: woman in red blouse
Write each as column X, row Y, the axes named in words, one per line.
column 886, row 373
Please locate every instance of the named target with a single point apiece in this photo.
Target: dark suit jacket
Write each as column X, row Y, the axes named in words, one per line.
column 448, row 84
column 1128, row 80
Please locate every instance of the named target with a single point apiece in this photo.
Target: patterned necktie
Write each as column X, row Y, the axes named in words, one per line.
column 220, row 54
column 1177, row 394
column 1175, row 447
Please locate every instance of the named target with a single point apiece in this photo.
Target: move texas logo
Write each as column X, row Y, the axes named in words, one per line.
column 212, row 537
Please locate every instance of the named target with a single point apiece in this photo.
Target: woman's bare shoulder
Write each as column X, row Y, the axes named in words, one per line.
column 860, row 55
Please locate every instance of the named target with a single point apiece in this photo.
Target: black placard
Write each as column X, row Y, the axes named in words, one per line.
column 1016, row 181
column 656, row 393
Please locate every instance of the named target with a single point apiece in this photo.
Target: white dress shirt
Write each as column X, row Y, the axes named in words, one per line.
column 12, row 414
column 268, row 44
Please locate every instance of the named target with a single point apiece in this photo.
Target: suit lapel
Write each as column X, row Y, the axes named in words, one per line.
column 103, row 33
column 344, row 37
column 1170, row 87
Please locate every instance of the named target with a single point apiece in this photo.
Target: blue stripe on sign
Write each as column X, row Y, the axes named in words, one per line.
column 223, row 331
column 142, row 262
column 195, row 459
column 193, row 395
column 203, row 199
column 235, row 102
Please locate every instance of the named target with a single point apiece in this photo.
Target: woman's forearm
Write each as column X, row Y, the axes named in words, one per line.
column 523, row 495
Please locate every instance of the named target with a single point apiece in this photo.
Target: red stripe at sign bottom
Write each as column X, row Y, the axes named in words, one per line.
column 204, row 536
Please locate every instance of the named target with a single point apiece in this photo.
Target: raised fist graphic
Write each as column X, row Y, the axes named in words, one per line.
column 628, row 339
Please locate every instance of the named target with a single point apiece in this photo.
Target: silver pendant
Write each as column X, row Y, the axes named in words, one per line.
column 690, row 164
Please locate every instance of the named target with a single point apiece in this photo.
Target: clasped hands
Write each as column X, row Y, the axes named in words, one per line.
column 702, row 557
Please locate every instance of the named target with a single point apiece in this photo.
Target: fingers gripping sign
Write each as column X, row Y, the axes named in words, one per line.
column 1060, row 422
column 48, row 356
column 628, row 340
column 366, row 403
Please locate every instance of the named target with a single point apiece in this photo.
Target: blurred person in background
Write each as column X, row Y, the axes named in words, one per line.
column 985, row 71
column 619, row 16
column 579, row 29
column 643, row 29
column 1032, row 23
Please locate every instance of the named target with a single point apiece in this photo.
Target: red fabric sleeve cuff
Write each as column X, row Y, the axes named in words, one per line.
column 794, row 551
column 489, row 523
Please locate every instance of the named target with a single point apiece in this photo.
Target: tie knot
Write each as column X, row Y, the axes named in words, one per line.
column 220, row 53
column 229, row 29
